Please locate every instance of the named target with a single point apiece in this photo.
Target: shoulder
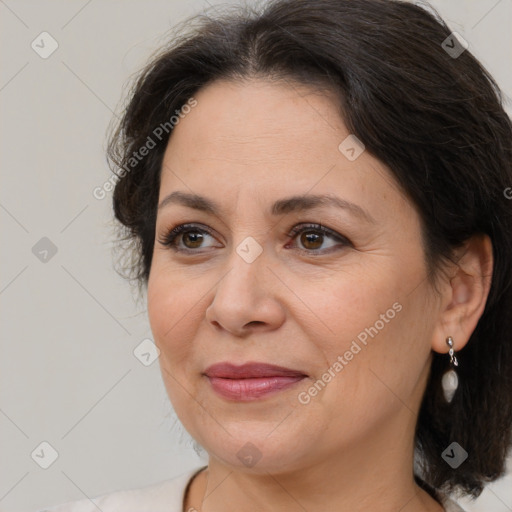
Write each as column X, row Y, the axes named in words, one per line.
column 165, row 496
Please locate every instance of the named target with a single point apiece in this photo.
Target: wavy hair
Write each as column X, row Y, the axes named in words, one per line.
column 435, row 119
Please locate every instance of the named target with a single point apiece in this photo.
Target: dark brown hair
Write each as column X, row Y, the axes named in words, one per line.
column 434, row 118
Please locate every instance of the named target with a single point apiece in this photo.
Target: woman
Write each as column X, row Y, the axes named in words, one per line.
column 316, row 198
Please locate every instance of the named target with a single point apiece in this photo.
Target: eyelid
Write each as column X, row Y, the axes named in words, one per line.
column 314, row 226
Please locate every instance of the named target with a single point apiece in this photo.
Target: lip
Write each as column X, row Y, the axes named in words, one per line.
column 250, row 381
column 250, row 370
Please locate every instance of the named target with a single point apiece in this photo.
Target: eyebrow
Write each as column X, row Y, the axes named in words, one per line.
column 279, row 207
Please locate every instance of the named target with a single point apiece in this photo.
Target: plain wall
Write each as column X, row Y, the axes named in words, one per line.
column 69, row 325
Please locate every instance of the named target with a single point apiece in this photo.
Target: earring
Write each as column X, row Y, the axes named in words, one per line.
column 450, row 380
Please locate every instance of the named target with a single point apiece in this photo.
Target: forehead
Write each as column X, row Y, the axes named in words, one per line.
column 271, row 137
column 247, row 115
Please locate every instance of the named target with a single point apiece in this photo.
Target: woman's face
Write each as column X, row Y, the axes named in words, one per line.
column 351, row 309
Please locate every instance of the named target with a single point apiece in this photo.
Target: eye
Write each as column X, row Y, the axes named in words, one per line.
column 313, row 237
column 191, row 236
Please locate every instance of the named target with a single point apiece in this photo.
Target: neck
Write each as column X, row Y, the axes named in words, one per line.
column 373, row 474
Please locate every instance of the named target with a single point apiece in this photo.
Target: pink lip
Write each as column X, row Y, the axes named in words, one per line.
column 250, row 381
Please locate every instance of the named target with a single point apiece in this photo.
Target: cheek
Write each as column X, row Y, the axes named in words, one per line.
column 344, row 305
column 372, row 320
column 388, row 372
column 174, row 311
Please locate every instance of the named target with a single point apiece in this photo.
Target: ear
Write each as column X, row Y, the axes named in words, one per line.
column 465, row 294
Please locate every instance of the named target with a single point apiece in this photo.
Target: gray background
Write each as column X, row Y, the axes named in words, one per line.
column 69, row 325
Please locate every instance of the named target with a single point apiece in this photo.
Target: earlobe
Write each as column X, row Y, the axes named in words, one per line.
column 466, row 293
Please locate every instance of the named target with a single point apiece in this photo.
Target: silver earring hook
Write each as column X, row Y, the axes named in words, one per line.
column 451, row 352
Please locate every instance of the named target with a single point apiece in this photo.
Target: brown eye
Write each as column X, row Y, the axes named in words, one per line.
column 311, row 240
column 313, row 237
column 192, row 238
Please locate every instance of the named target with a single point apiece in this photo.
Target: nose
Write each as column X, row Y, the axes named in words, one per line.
column 247, row 298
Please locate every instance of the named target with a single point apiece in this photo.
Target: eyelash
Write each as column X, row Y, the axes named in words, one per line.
column 168, row 240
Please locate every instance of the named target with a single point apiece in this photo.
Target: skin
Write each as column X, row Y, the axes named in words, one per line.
column 245, row 145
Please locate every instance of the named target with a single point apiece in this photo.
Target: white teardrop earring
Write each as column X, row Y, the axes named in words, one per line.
column 450, row 380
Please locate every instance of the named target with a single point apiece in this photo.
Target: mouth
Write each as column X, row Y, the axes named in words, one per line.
column 251, row 381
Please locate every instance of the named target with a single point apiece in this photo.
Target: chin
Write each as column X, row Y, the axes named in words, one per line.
column 254, row 450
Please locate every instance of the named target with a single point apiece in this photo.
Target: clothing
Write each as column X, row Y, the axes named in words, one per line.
column 166, row 496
